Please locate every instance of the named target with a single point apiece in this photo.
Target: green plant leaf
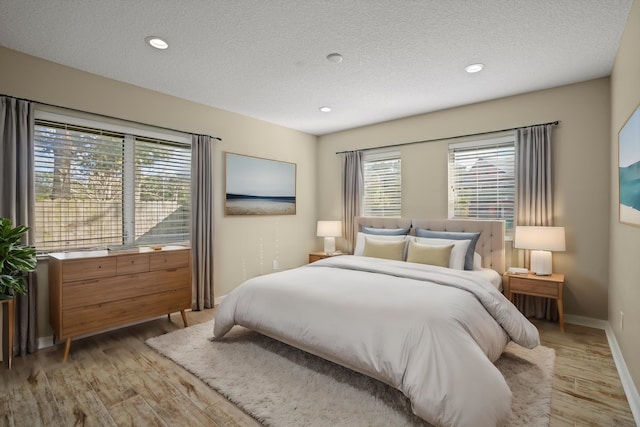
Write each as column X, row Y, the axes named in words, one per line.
column 16, row 258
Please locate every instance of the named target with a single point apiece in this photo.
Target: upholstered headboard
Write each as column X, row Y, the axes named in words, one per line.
column 490, row 245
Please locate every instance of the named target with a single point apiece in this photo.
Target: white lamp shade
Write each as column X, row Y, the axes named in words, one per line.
column 540, row 238
column 329, row 229
column 541, row 241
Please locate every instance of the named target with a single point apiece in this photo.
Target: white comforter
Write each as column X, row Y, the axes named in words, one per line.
column 431, row 332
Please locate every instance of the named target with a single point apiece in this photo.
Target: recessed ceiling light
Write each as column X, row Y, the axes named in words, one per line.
column 474, row 68
column 325, row 109
column 334, row 57
column 157, row 42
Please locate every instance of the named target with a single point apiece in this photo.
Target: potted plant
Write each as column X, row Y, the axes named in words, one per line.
column 16, row 259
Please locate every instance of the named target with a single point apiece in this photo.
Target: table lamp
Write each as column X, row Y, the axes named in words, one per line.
column 329, row 230
column 541, row 241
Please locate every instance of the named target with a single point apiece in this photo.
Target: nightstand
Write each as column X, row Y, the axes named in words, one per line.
column 315, row 256
column 537, row 286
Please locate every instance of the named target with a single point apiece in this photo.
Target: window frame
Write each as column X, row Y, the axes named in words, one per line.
column 130, row 131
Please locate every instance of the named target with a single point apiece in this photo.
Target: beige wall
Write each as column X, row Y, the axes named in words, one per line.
column 581, row 172
column 245, row 246
column 624, row 287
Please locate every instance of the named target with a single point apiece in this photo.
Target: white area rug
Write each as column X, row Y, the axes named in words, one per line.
column 282, row 386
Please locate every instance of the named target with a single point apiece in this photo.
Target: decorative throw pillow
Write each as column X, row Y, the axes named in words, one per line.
column 458, row 253
column 432, row 255
column 473, row 237
column 381, row 249
column 360, row 240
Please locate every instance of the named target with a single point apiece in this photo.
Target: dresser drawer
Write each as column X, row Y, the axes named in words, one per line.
column 90, row 268
column 89, row 292
column 169, row 259
column 100, row 291
column 534, row 287
column 82, row 320
column 135, row 263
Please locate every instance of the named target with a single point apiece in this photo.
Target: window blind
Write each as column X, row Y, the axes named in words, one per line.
column 78, row 175
column 382, row 184
column 163, row 193
column 99, row 188
column 482, row 180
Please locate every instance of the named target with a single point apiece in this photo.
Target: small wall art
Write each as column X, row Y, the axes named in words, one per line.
column 629, row 170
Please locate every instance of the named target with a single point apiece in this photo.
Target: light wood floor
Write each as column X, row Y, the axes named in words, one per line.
column 115, row 379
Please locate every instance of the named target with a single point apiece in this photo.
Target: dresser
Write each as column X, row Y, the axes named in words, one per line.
column 96, row 290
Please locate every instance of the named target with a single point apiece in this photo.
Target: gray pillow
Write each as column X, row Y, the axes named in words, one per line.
column 473, row 237
column 386, row 231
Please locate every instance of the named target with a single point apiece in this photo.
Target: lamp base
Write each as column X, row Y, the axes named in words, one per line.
column 329, row 245
column 541, row 263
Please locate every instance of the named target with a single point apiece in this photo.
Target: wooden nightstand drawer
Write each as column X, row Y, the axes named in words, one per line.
column 315, row 256
column 534, row 287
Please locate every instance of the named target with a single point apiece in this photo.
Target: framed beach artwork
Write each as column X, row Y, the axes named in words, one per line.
column 629, row 170
column 256, row 186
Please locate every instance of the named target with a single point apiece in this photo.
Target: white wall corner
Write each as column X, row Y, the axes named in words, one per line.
column 629, row 387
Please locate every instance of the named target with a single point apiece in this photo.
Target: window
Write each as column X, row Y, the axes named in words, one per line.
column 382, row 184
column 482, row 179
column 102, row 185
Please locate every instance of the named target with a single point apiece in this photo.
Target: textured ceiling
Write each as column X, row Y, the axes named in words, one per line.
column 267, row 58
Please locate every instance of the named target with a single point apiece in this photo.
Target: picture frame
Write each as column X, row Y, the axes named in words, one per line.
column 258, row 186
column 629, row 170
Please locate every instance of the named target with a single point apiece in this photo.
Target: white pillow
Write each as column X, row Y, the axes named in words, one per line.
column 477, row 261
column 458, row 253
column 360, row 241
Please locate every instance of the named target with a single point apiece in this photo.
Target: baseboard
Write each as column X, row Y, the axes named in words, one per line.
column 625, row 377
column 586, row 321
column 628, row 385
column 218, row 300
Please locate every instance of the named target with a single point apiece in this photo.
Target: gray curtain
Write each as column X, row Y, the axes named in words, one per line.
column 202, row 221
column 535, row 201
column 352, row 192
column 17, row 202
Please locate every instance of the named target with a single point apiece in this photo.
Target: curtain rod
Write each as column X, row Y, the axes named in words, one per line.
column 557, row 122
column 106, row 116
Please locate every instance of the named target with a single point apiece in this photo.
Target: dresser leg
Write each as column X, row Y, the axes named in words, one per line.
column 67, row 347
column 184, row 318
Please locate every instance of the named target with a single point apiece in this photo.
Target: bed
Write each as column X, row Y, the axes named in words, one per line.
column 431, row 331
